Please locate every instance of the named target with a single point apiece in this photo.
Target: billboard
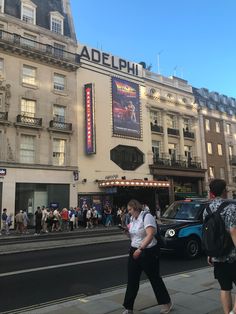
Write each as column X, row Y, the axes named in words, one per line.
column 125, row 108
column 90, row 143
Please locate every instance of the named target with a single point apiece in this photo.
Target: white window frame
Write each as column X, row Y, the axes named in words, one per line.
column 2, row 5
column 58, row 154
column 171, row 121
column 209, row 148
column 30, row 77
column 187, row 124
column 211, row 172
column 172, row 149
column 30, row 6
column 219, row 149
column 228, row 128
column 207, row 125
column 56, row 17
column 230, row 151
column 28, row 107
column 30, row 150
column 1, row 67
column 58, row 117
column 156, row 148
column 155, row 117
column 217, row 127
column 57, row 85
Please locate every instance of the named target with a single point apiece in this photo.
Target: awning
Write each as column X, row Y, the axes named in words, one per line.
column 133, row 183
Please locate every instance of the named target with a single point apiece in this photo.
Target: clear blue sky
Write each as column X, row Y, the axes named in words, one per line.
column 195, row 39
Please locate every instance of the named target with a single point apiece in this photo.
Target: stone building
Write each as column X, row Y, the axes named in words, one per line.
column 38, row 112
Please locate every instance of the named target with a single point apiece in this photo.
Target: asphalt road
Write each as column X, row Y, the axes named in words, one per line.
column 32, row 278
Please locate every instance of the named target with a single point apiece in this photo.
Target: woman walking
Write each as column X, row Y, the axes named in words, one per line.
column 144, row 256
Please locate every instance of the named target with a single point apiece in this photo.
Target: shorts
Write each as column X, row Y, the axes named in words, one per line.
column 225, row 273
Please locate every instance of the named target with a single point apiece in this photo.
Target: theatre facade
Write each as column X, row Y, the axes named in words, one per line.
column 116, row 143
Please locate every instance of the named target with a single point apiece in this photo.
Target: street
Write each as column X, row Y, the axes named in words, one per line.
column 32, row 278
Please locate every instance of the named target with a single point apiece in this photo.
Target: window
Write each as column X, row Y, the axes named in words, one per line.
column 209, row 148
column 1, row 67
column 27, row 149
column 172, row 151
column 222, row 173
column 58, row 113
column 1, row 145
column 59, row 50
column 59, row 82
column 211, row 172
column 171, row 121
column 188, row 152
column 28, row 108
column 28, row 13
column 156, row 148
column 29, row 40
column 29, row 75
column 187, row 124
column 230, row 151
column 155, row 117
column 59, row 152
column 207, row 125
column 219, row 149
column 217, row 127
column 57, row 24
column 228, row 128
column 2, row 6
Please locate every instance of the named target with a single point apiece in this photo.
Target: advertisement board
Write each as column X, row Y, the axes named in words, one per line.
column 90, row 145
column 125, row 108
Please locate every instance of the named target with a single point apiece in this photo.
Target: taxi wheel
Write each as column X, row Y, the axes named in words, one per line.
column 193, row 247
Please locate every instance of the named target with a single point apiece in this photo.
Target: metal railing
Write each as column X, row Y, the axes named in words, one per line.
column 173, row 131
column 3, row 116
column 188, row 134
column 37, row 47
column 156, row 128
column 176, row 163
column 60, row 125
column 30, row 121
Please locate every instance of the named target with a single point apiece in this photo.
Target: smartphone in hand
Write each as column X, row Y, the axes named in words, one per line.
column 122, row 228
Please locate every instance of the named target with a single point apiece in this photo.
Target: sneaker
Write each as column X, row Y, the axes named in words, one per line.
column 167, row 308
column 128, row 312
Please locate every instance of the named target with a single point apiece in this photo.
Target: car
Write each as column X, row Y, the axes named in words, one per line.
column 181, row 227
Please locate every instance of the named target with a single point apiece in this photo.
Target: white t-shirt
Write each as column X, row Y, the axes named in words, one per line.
column 137, row 229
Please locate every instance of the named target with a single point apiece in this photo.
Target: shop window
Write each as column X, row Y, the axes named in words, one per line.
column 59, row 146
column 59, row 82
column 29, row 75
column 27, row 149
column 28, row 108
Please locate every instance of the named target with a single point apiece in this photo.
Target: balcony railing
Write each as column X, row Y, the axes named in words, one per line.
column 156, row 128
column 176, row 163
column 173, row 131
column 60, row 126
column 3, row 116
column 29, row 121
column 188, row 134
column 44, row 52
column 233, row 160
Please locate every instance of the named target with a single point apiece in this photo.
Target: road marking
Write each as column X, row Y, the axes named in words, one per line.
column 23, row 271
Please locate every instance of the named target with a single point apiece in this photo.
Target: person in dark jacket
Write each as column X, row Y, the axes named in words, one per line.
column 38, row 220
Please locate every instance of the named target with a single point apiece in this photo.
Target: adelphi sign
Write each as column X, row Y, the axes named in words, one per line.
column 109, row 60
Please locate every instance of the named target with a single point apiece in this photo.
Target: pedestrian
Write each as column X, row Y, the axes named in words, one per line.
column 144, row 256
column 9, row 223
column 64, row 219
column 56, row 220
column 224, row 266
column 89, row 222
column 25, row 221
column 71, row 218
column 38, row 220
column 4, row 221
column 94, row 216
column 19, row 222
column 45, row 215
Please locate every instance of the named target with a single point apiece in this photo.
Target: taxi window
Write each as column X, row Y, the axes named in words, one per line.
column 185, row 211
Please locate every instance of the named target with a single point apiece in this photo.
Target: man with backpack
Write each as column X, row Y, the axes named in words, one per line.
column 224, row 261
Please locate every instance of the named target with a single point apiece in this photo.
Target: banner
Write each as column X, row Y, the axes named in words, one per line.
column 89, row 120
column 125, row 108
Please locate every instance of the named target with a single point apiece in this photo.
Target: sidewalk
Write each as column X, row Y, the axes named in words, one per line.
column 193, row 292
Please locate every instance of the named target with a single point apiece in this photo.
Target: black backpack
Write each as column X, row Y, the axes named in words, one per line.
column 216, row 240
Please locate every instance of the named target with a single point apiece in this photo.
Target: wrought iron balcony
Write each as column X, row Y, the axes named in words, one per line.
column 233, row 160
column 60, row 126
column 36, row 50
column 176, row 163
column 188, row 134
column 156, row 128
column 3, row 116
column 173, row 131
column 29, row 121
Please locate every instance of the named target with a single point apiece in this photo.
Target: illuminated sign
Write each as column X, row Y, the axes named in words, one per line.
column 89, row 119
column 110, row 61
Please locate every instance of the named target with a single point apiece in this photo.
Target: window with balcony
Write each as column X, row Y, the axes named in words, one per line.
column 219, row 149
column 59, row 50
column 211, row 171
column 59, row 152
column 28, row 13
column 156, row 146
column 171, row 121
column 209, row 148
column 29, row 40
column 155, row 117
column 2, row 6
column 56, row 23
column 172, row 151
column 228, row 128
column 58, row 113
column 188, row 152
column 1, row 67
column 222, row 173
column 59, row 82
column 187, row 124
column 207, row 125
column 29, row 75
column 217, row 127
column 27, row 149
column 28, row 108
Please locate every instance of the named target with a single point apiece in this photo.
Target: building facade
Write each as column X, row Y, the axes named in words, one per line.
column 38, row 112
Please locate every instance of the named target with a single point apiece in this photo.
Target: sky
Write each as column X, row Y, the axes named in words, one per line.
column 194, row 40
